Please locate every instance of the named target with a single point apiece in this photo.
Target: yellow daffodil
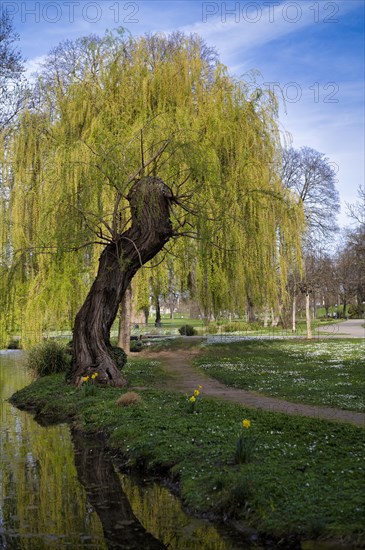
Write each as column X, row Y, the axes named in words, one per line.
column 200, row 387
column 85, row 378
column 196, row 393
column 93, row 376
column 246, row 423
column 192, row 399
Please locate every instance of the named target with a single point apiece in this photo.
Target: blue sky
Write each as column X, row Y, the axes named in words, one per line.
column 313, row 51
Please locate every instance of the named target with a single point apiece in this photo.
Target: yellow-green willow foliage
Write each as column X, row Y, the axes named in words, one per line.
column 163, row 103
column 140, row 293
column 162, row 515
column 40, row 492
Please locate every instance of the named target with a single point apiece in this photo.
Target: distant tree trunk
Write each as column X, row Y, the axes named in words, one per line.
column 285, row 317
column 266, row 316
column 359, row 298
column 124, row 333
column 250, row 311
column 146, row 311
column 274, row 318
column 314, row 306
column 150, row 200
column 294, row 309
column 194, row 311
column 308, row 316
column 158, row 312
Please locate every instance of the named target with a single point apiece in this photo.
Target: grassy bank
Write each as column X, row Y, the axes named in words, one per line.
column 306, row 477
column 329, row 372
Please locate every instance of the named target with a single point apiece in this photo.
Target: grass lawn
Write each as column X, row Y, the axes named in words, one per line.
column 328, row 372
column 306, row 476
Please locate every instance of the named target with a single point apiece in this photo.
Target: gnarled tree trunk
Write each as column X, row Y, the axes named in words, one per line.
column 124, row 331
column 150, row 201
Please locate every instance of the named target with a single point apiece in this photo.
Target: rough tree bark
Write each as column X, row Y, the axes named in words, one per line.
column 158, row 312
column 124, row 332
column 150, row 200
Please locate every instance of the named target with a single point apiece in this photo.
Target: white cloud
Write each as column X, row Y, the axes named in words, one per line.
column 248, row 29
column 33, row 65
column 272, row 45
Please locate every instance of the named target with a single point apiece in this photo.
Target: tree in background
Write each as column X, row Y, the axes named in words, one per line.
column 11, row 71
column 12, row 94
column 311, row 177
column 133, row 144
column 353, row 252
column 356, row 211
column 328, row 289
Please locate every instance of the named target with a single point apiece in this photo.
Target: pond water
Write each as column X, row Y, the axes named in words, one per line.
column 60, row 490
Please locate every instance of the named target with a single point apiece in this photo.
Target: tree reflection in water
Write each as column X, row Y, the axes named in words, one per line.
column 96, row 472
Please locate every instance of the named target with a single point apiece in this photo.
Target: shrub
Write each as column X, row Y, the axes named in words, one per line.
column 136, row 345
column 49, row 357
column 241, row 326
column 187, row 330
column 14, row 343
column 212, row 329
column 353, row 311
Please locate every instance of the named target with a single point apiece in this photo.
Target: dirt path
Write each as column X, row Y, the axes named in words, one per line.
column 184, row 378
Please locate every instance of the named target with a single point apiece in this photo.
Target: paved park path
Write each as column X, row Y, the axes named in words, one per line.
column 353, row 328
column 185, row 378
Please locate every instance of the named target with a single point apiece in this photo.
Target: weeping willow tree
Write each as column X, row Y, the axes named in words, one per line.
column 129, row 146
